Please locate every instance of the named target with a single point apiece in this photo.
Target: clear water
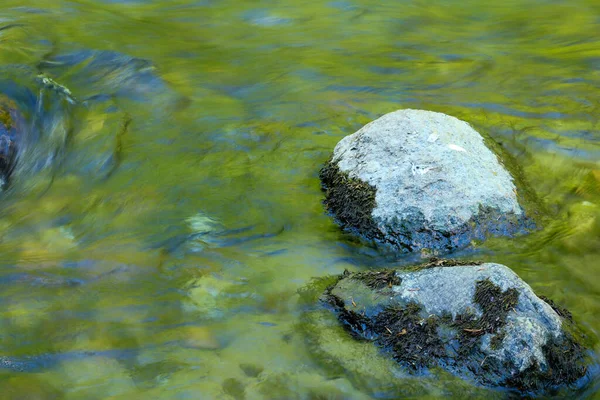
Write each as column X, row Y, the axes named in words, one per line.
column 174, row 275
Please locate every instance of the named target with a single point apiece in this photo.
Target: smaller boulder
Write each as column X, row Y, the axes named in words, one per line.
column 421, row 181
column 479, row 322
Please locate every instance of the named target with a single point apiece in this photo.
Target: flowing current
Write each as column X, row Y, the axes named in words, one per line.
column 164, row 207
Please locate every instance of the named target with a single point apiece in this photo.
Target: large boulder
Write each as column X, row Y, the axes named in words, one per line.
column 421, row 181
column 477, row 322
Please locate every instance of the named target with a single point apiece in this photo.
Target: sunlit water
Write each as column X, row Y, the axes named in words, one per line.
column 158, row 254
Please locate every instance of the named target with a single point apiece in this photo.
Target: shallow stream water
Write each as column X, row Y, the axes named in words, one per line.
column 169, row 269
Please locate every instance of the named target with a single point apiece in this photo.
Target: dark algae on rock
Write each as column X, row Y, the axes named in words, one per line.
column 479, row 322
column 350, row 200
column 378, row 280
column 495, row 305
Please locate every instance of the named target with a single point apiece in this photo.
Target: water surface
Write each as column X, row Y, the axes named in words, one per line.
column 165, row 262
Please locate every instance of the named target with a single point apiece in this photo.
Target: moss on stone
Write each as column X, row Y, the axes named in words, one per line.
column 350, row 200
column 378, row 280
column 412, row 340
column 398, row 329
column 369, row 369
column 565, row 365
column 497, row 339
column 565, row 357
column 495, row 306
column 416, row 341
column 435, row 262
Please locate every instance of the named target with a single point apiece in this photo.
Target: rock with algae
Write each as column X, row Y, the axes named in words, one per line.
column 421, row 181
column 477, row 322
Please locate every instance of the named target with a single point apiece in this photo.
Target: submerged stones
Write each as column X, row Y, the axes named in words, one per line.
column 45, row 129
column 479, row 322
column 421, row 181
column 10, row 127
column 35, row 123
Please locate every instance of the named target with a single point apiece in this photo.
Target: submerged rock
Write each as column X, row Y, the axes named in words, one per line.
column 43, row 126
column 421, row 181
column 10, row 127
column 479, row 322
column 35, row 122
column 102, row 74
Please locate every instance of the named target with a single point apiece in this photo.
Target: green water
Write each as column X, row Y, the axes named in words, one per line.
column 176, row 277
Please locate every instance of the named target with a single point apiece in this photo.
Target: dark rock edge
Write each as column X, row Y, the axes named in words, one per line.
column 401, row 333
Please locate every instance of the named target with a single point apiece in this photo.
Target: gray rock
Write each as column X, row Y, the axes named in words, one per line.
column 479, row 322
column 421, row 180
